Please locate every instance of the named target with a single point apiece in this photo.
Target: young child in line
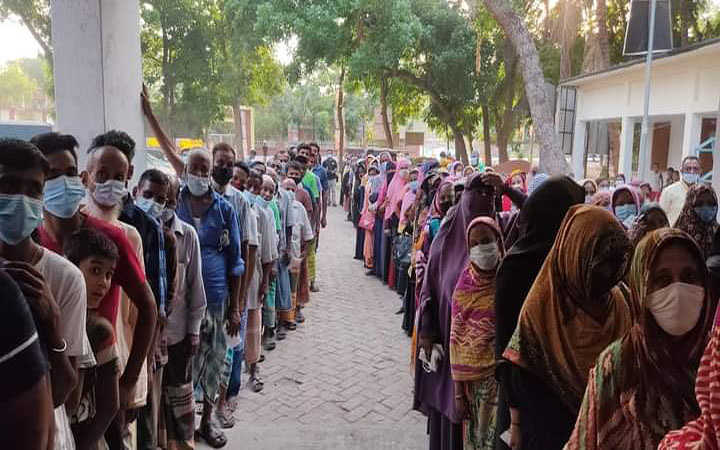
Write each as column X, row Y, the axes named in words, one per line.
column 96, row 256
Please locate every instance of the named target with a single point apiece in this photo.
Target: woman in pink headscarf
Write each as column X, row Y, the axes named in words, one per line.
column 393, row 197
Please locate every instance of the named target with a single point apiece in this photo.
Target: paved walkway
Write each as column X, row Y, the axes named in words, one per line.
column 341, row 381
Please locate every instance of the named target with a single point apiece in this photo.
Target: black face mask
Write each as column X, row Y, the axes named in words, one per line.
column 222, row 175
column 445, row 206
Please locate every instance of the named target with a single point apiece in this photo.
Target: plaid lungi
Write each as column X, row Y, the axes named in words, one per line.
column 209, row 362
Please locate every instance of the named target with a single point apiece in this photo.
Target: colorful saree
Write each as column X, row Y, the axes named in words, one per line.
column 642, row 385
column 472, row 346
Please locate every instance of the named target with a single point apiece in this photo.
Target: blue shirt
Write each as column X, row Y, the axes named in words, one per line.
column 322, row 174
column 219, row 235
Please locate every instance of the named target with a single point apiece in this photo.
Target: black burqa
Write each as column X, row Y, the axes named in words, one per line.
column 538, row 223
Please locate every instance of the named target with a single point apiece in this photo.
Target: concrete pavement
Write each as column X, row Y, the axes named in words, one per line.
column 342, row 380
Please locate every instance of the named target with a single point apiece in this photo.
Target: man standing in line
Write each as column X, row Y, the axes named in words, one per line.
column 183, row 327
column 331, row 167
column 672, row 199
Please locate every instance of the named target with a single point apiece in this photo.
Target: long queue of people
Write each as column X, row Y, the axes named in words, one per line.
column 123, row 307
column 547, row 313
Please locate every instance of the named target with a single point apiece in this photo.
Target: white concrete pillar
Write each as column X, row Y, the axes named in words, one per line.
column 691, row 134
column 578, row 149
column 626, row 147
column 98, row 71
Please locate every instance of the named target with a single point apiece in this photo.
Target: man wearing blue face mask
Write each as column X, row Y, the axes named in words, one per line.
column 217, row 226
column 63, row 198
column 49, row 282
column 672, row 199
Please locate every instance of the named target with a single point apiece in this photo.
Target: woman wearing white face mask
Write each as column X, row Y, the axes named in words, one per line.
column 643, row 384
column 472, row 335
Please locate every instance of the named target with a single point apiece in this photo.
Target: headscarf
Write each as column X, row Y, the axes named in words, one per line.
column 448, row 256
column 666, row 366
column 636, row 196
column 537, row 224
column 591, row 181
column 472, row 333
column 642, row 385
column 602, row 199
column 556, row 340
column 690, row 222
column 407, row 202
column 641, row 226
column 396, row 188
column 704, row 432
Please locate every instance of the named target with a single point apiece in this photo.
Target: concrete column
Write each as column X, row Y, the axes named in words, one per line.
column 691, row 134
column 578, row 149
column 626, row 146
column 98, row 71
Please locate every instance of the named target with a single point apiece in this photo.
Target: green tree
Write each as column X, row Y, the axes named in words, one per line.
column 35, row 14
column 16, row 88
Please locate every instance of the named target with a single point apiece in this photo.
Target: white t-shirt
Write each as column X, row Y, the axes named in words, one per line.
column 67, row 285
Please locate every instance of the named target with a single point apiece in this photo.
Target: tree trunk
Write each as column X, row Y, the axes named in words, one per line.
column 552, row 160
column 384, row 112
column 340, row 116
column 602, row 34
column 460, row 149
column 502, row 144
column 239, row 131
column 570, row 24
column 684, row 23
column 486, row 135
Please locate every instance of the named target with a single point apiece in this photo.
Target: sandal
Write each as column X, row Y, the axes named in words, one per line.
column 225, row 421
column 299, row 317
column 262, row 358
column 292, row 326
column 256, row 384
column 281, row 334
column 199, row 408
column 214, row 438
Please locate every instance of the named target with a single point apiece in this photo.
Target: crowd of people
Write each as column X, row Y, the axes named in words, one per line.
column 129, row 310
column 548, row 313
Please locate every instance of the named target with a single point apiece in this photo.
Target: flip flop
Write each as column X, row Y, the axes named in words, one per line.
column 256, row 384
column 214, row 438
column 292, row 326
column 281, row 334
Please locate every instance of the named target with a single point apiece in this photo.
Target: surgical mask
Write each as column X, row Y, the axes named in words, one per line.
column 167, row 214
column 413, row 185
column 150, row 207
column 588, row 198
column 110, row 192
column 677, row 307
column 474, row 161
column 222, row 175
column 690, row 178
column 485, row 256
column 198, row 186
column 624, row 212
column 19, row 216
column 62, row 196
column 604, row 188
column 706, row 213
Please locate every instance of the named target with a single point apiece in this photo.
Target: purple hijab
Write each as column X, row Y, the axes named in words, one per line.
column 447, row 259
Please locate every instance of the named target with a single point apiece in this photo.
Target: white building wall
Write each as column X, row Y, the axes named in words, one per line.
column 685, row 86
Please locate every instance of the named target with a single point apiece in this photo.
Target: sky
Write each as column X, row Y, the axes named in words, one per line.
column 24, row 45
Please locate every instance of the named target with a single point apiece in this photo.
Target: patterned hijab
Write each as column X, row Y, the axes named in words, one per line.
column 690, row 222
column 643, row 224
column 556, row 339
column 659, row 369
column 704, row 432
column 472, row 333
